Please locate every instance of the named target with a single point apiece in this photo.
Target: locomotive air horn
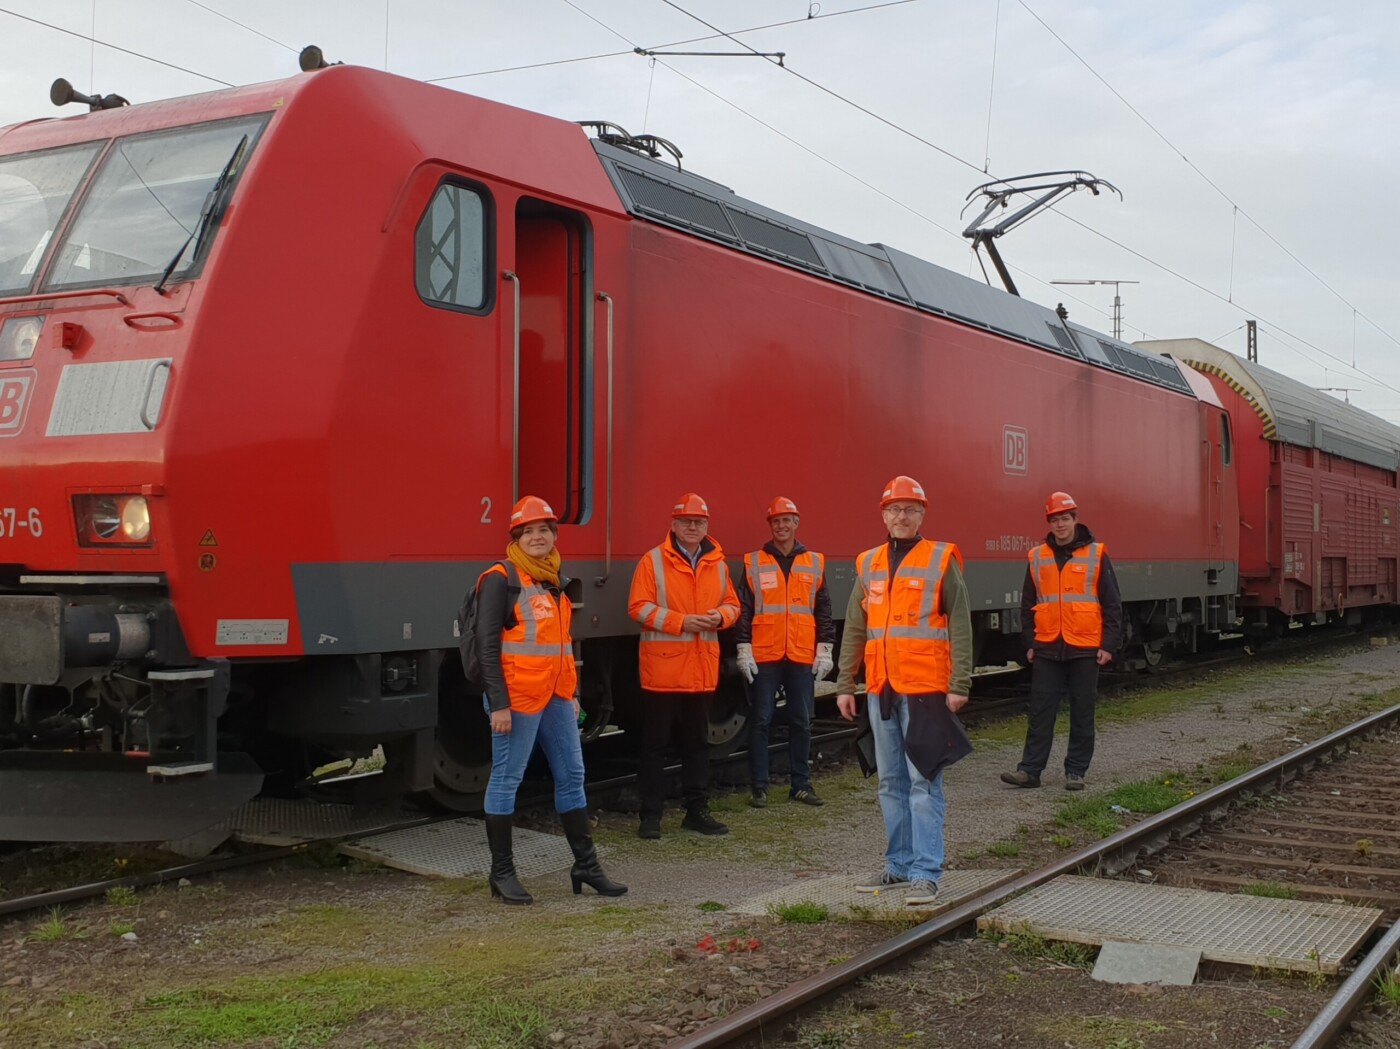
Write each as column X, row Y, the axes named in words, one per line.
column 62, row 92
column 312, row 58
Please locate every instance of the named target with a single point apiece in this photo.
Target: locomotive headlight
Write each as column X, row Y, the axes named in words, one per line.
column 18, row 337
column 112, row 520
column 136, row 519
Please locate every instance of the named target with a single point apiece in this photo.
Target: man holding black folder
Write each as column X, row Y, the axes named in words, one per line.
column 908, row 623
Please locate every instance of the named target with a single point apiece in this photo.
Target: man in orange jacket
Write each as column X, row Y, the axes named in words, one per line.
column 1071, row 618
column 682, row 597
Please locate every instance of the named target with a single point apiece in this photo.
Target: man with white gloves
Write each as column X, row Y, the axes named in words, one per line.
column 785, row 637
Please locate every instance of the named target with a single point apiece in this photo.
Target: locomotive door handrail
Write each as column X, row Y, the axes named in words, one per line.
column 604, row 297
column 511, row 276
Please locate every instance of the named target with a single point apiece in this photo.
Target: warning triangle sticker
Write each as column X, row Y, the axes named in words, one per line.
column 209, row 539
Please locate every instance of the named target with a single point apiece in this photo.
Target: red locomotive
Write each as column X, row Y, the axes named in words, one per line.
column 275, row 361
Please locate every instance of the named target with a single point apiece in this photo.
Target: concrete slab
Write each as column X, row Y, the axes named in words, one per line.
column 1226, row 927
column 1147, row 963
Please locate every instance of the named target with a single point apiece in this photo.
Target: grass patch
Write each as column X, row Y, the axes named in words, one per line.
column 1079, row 955
column 122, row 896
column 1099, row 1032
column 1096, row 812
column 56, row 928
column 710, row 906
column 1388, row 989
column 1061, row 841
column 320, row 925
column 121, row 928
column 1230, row 770
column 1088, row 812
column 804, row 912
column 1004, row 849
column 1273, row 889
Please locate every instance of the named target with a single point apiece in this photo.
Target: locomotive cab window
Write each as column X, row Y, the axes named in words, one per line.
column 35, row 191
column 154, row 204
column 449, row 249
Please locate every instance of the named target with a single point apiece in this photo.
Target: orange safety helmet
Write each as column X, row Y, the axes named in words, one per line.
column 1058, row 503
column 903, row 487
column 531, row 509
column 782, row 505
column 690, row 505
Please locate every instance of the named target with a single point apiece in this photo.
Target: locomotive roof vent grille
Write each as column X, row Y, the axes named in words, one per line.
column 675, row 204
column 763, row 235
column 1062, row 339
column 1168, row 373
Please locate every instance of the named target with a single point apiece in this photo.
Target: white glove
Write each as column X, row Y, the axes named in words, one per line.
column 747, row 666
column 821, row 666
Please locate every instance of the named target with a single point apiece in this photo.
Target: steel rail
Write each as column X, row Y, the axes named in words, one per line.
column 1332, row 1021
column 753, row 1018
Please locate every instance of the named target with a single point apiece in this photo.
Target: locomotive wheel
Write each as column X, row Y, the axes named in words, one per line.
column 729, row 716
column 461, row 746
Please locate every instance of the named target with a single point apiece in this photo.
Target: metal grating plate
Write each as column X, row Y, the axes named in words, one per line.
column 288, row 821
column 1244, row 930
column 840, row 897
column 457, row 849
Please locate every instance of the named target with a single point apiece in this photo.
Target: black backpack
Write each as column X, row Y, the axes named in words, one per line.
column 466, row 626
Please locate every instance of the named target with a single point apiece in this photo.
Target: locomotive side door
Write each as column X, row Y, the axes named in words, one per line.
column 553, row 281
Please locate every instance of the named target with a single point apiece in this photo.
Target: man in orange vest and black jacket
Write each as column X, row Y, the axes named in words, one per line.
column 682, row 597
column 909, row 623
column 1072, row 621
column 785, row 635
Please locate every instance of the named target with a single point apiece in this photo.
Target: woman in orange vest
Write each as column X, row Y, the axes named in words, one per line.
column 1071, row 619
column 527, row 663
column 785, row 635
column 909, row 624
column 681, row 597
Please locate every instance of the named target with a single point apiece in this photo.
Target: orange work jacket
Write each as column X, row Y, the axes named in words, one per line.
column 784, row 625
column 1067, row 599
column 537, row 654
column 906, row 640
column 665, row 589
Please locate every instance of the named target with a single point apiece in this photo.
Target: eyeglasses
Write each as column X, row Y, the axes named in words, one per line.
column 905, row 511
column 692, row 522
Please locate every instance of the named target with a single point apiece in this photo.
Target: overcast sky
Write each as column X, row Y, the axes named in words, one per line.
column 1255, row 144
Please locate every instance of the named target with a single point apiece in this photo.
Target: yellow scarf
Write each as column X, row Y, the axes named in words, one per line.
column 543, row 569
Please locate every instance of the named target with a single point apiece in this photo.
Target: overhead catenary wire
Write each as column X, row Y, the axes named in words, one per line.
column 113, row 47
column 240, row 25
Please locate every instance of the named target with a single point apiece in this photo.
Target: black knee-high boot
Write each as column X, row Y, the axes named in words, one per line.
column 586, row 870
column 503, row 881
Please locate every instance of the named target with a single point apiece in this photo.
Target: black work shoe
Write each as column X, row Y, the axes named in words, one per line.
column 699, row 820
column 758, row 798
column 650, row 827
column 1074, row 781
column 806, row 795
column 1020, row 778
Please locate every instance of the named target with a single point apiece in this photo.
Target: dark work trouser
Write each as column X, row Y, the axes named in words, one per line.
column 798, row 685
column 663, row 710
column 1051, row 681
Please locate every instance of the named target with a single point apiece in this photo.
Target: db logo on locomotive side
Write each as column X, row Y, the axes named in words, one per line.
column 1014, row 449
column 14, row 400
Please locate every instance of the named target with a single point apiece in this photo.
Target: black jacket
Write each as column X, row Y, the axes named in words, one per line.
column 1110, row 603
column 821, row 603
column 495, row 613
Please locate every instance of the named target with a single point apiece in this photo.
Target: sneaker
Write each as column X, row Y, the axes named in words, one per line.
column 806, row 795
column 882, row 882
column 1020, row 778
column 1074, row 781
column 921, row 893
column 758, row 798
column 699, row 820
column 650, row 827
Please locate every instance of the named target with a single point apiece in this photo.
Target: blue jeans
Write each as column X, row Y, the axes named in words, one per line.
column 798, row 684
column 911, row 804
column 556, row 729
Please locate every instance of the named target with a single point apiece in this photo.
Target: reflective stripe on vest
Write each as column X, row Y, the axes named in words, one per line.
column 537, row 656
column 907, row 642
column 1072, row 614
column 784, row 623
column 659, row 568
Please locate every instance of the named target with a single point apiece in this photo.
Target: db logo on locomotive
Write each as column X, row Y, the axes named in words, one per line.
column 14, row 399
column 1014, row 442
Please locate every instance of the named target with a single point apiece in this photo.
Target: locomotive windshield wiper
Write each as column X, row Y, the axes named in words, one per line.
column 212, row 206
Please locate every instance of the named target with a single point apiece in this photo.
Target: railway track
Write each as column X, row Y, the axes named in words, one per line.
column 761, row 1022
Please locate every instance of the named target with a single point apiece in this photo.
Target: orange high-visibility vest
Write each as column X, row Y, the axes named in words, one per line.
column 906, row 641
column 784, row 625
column 665, row 589
column 537, row 654
column 1067, row 599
